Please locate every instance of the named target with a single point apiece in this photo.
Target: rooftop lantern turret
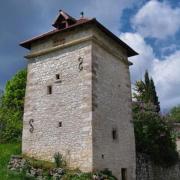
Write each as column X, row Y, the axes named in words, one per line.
column 63, row 20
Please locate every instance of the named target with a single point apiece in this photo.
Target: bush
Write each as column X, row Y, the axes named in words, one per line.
column 11, row 108
column 154, row 136
column 11, row 125
column 14, row 93
column 58, row 158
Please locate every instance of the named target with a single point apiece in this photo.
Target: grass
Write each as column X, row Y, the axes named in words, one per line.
column 6, row 150
column 45, row 165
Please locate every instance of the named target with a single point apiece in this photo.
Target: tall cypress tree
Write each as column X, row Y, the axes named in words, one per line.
column 146, row 91
column 146, row 78
column 147, row 86
column 154, row 97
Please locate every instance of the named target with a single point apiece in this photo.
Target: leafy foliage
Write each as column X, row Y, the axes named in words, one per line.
column 11, row 122
column 154, row 136
column 145, row 91
column 175, row 114
column 15, row 91
column 11, row 109
column 59, row 161
column 1, row 95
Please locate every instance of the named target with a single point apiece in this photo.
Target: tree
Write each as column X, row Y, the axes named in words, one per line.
column 175, row 114
column 15, row 91
column 145, row 92
column 11, row 110
column 1, row 95
column 153, row 135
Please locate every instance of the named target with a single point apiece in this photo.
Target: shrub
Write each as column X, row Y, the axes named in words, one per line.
column 154, row 136
column 11, row 108
column 58, row 158
column 11, row 126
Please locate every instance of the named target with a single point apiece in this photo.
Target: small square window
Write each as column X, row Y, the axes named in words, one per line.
column 124, row 174
column 114, row 134
column 57, row 76
column 49, row 90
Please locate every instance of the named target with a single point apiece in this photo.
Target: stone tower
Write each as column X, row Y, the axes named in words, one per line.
column 78, row 97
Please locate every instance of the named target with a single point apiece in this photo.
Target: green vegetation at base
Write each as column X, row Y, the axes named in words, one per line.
column 6, row 150
column 45, row 165
column 154, row 136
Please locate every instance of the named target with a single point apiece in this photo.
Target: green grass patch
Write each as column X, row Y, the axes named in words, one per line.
column 77, row 176
column 6, row 150
column 45, row 165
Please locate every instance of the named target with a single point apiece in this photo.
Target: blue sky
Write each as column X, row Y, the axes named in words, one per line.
column 151, row 27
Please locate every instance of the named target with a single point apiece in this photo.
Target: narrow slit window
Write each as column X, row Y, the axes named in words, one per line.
column 60, row 124
column 102, row 156
column 124, row 174
column 57, row 76
column 114, row 134
column 49, row 90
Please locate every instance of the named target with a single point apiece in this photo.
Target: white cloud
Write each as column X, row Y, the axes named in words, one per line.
column 157, row 19
column 144, row 60
column 165, row 72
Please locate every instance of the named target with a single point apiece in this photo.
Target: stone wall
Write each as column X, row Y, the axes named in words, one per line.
column 112, row 111
column 69, row 104
column 146, row 170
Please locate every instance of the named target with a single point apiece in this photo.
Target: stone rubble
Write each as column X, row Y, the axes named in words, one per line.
column 18, row 164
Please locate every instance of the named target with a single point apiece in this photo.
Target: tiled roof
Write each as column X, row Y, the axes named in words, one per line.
column 71, row 24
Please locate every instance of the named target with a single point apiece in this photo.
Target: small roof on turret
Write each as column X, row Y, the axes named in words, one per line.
column 64, row 22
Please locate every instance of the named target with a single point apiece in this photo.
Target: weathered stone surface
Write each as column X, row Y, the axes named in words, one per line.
column 88, row 102
column 146, row 170
column 68, row 104
column 112, row 110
